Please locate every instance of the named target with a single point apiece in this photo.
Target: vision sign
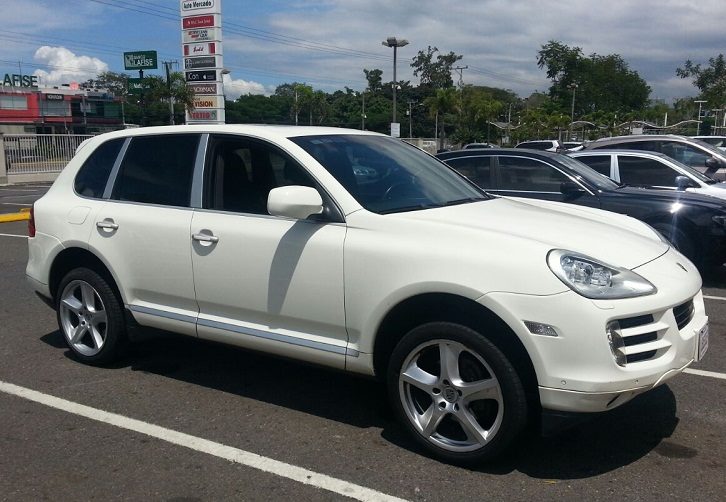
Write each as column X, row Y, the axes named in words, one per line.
column 140, row 60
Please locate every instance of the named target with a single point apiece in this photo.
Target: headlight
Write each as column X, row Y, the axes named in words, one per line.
column 593, row 279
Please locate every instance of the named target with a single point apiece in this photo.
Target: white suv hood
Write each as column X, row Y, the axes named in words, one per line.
column 613, row 238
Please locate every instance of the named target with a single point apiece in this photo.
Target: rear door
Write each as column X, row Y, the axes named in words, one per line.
column 142, row 231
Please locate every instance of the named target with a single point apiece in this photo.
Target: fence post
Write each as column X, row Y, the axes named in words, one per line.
column 3, row 167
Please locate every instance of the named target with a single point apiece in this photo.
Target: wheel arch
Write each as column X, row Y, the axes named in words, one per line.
column 447, row 307
column 75, row 257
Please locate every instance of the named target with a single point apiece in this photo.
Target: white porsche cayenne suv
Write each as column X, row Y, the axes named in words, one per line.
column 360, row 252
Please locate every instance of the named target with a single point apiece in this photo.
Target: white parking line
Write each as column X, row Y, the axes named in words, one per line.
column 714, row 298
column 230, row 453
column 15, row 204
column 14, row 235
column 711, row 374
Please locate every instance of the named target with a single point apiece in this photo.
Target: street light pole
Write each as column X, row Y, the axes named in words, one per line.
column 698, row 126
column 574, row 87
column 395, row 43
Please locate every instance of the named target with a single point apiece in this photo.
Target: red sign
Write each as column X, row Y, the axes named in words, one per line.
column 199, row 49
column 197, row 22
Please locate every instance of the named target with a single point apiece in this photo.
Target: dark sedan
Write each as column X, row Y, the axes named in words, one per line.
column 695, row 224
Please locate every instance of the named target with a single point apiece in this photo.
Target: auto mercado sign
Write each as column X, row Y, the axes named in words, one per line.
column 140, row 60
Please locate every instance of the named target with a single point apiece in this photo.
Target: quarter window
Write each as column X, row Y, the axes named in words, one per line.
column 530, row 175
column 242, row 173
column 645, row 172
column 93, row 175
column 157, row 170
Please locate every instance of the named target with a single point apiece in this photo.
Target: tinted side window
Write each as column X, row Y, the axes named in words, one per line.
column 158, row 170
column 518, row 173
column 477, row 169
column 600, row 163
column 93, row 174
column 685, row 153
column 241, row 174
column 536, row 145
column 647, row 172
column 648, row 146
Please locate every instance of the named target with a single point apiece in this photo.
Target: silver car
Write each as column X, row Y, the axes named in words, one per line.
column 650, row 170
column 689, row 151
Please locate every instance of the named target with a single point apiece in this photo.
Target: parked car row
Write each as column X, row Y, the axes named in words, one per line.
column 695, row 224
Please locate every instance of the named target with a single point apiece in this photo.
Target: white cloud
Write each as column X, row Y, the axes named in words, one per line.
column 234, row 88
column 65, row 67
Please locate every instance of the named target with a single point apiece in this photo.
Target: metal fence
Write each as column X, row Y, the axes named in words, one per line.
column 39, row 153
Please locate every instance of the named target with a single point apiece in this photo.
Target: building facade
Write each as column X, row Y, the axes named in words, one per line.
column 68, row 109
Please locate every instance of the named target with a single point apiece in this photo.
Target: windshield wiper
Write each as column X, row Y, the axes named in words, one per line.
column 463, row 201
column 403, row 209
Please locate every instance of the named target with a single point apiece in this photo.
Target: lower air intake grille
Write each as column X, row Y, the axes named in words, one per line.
column 683, row 314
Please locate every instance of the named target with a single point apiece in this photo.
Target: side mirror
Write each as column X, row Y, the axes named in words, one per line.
column 683, row 182
column 712, row 165
column 294, row 201
column 570, row 189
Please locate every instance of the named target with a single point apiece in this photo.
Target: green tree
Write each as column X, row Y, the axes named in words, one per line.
column 603, row 82
column 374, row 79
column 434, row 73
column 711, row 81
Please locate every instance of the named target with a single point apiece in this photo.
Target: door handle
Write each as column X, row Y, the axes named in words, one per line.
column 205, row 238
column 107, row 224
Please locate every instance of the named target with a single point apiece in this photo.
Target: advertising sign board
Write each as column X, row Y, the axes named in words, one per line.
column 200, row 62
column 203, row 49
column 140, row 60
column 208, row 102
column 197, row 22
column 204, row 88
column 201, row 35
column 201, row 76
column 189, row 7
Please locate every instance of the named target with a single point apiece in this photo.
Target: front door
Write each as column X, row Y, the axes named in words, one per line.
column 265, row 282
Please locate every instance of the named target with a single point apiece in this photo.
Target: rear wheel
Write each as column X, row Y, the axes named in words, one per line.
column 90, row 317
column 456, row 392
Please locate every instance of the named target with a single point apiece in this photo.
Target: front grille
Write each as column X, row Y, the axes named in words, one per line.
column 683, row 314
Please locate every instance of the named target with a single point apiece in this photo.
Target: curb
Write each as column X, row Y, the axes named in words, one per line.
column 23, row 215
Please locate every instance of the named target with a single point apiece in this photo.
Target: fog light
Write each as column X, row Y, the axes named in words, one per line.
column 616, row 342
column 537, row 328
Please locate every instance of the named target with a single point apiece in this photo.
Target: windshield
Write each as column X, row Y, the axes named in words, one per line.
column 386, row 175
column 600, row 181
column 693, row 173
column 717, row 141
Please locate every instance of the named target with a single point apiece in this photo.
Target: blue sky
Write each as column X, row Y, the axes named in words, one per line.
column 328, row 43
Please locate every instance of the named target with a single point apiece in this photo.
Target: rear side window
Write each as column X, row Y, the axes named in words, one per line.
column 158, row 170
column 600, row 163
column 93, row 175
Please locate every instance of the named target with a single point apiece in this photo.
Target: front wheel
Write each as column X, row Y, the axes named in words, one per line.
column 90, row 317
column 456, row 392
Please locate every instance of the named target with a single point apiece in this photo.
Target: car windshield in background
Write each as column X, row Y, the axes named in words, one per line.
column 694, row 172
column 386, row 175
column 600, row 181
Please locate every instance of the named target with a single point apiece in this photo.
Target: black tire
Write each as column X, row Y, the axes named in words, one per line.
column 101, row 317
column 479, row 363
column 681, row 241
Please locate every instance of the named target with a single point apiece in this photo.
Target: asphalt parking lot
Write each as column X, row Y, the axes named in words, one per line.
column 184, row 420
